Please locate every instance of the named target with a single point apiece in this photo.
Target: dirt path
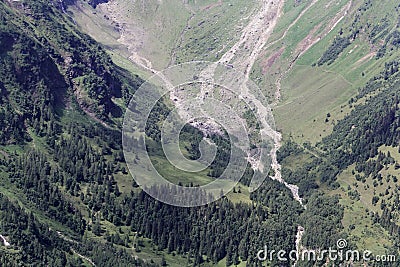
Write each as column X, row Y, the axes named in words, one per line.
column 73, row 250
column 78, row 95
column 65, row 12
column 83, row 257
column 5, row 241
column 66, row 238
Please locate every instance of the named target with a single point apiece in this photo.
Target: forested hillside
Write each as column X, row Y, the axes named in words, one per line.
column 67, row 198
column 352, row 162
column 50, row 72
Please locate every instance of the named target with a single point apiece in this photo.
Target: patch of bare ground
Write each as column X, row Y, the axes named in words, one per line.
column 312, row 39
column 5, row 154
column 79, row 98
column 6, row 243
column 269, row 62
column 211, row 6
column 309, row 41
column 364, row 59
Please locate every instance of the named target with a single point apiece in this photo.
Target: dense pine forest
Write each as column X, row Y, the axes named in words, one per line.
column 67, row 199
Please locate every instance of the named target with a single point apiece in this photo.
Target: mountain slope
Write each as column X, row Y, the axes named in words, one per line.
column 325, row 65
column 42, row 58
column 62, row 165
column 66, row 197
